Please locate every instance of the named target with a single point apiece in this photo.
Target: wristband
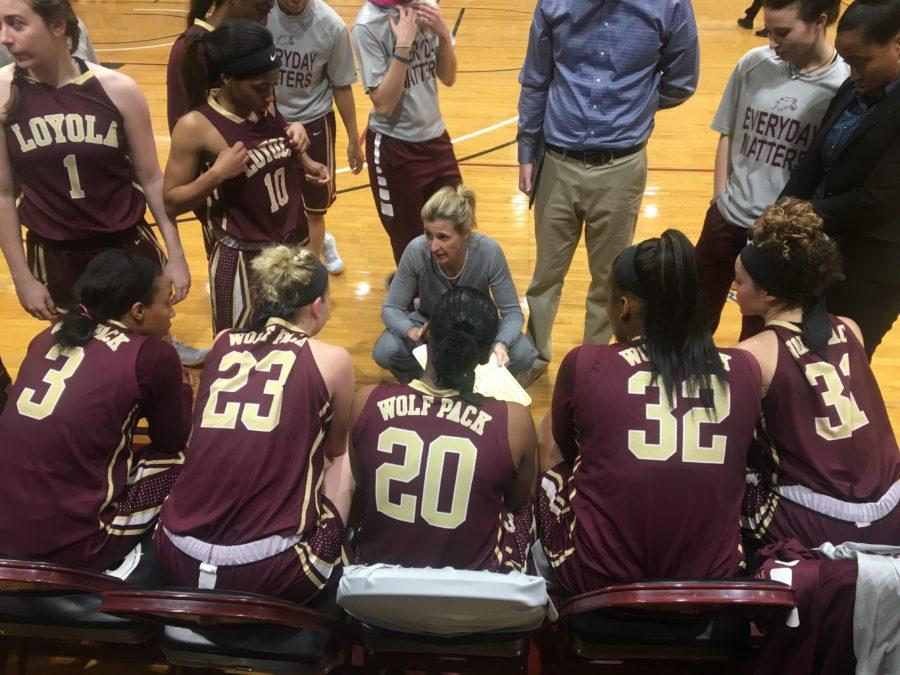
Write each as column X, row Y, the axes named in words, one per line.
column 401, row 59
column 396, row 47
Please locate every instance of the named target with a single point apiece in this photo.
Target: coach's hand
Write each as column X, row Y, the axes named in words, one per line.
column 298, row 137
column 405, row 28
column 416, row 332
column 178, row 272
column 526, row 173
column 231, row 162
column 501, row 354
column 35, row 298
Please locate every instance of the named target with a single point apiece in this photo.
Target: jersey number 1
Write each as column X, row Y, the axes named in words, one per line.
column 75, row 191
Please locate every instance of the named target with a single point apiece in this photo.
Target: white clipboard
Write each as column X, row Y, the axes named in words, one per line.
column 490, row 380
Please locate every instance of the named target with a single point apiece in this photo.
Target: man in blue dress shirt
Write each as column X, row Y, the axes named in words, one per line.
column 595, row 73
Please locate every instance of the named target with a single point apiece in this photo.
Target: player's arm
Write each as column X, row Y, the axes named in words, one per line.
column 562, row 410
column 33, row 295
column 166, row 396
column 431, row 17
column 722, row 169
column 359, row 403
column 343, row 100
column 854, row 328
column 523, row 447
column 386, row 95
column 337, row 371
column 764, row 348
column 139, row 131
column 185, row 188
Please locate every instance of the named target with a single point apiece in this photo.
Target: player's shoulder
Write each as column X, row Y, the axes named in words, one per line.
column 756, row 58
column 328, row 15
column 6, row 78
column 854, row 328
column 335, row 356
column 112, row 79
column 760, row 345
column 371, row 15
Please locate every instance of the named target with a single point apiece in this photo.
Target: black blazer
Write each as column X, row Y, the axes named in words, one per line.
column 862, row 190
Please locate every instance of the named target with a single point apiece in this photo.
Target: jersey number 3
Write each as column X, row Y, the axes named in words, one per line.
column 405, row 508
column 56, row 378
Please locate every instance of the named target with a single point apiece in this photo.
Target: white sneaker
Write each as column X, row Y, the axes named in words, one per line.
column 191, row 357
column 333, row 261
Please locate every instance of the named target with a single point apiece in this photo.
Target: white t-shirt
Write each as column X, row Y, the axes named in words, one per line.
column 316, row 55
column 417, row 116
column 772, row 113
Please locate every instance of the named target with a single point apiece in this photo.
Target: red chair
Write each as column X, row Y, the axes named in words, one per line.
column 54, row 609
column 229, row 630
column 638, row 627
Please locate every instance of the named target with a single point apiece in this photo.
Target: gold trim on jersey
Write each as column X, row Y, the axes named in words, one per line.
column 81, row 79
column 203, row 24
column 428, row 390
column 308, row 491
column 785, row 324
column 124, row 441
column 286, row 324
column 237, row 119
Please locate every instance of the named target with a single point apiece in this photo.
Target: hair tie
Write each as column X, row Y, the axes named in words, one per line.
column 84, row 310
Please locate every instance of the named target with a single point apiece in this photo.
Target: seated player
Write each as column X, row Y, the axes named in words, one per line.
column 75, row 489
column 828, row 458
column 646, row 475
column 444, row 476
column 261, row 503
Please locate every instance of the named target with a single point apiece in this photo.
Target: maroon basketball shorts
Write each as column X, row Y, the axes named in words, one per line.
column 317, row 198
column 770, row 518
column 555, row 524
column 58, row 264
column 819, row 638
column 297, row 574
column 403, row 175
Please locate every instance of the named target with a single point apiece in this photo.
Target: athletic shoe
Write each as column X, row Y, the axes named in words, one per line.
column 526, row 378
column 333, row 261
column 764, row 33
column 745, row 22
column 191, row 357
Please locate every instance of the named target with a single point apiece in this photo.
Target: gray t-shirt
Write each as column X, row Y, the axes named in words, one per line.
column 486, row 270
column 772, row 113
column 316, row 55
column 417, row 116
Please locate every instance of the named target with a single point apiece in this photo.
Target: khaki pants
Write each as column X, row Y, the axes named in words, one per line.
column 604, row 199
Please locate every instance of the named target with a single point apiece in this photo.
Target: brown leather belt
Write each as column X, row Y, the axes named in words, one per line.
column 595, row 156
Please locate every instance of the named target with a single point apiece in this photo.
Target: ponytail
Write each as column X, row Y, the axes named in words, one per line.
column 109, row 287
column 677, row 336
column 194, row 71
column 462, row 330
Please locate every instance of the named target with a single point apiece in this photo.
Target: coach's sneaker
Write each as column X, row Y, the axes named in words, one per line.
column 191, row 357
column 333, row 261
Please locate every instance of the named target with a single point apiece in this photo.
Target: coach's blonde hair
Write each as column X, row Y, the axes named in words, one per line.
column 281, row 273
column 50, row 11
column 454, row 204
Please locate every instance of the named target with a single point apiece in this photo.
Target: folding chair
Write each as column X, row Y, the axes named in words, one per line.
column 639, row 626
column 222, row 630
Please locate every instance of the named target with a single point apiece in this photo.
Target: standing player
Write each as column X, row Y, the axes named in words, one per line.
column 768, row 115
column 828, row 458
column 78, row 149
column 317, row 69
column 644, row 472
column 439, row 466
column 402, row 47
column 75, row 490
column 235, row 149
column 263, row 498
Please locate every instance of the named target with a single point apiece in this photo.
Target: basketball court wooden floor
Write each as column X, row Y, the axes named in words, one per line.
column 135, row 36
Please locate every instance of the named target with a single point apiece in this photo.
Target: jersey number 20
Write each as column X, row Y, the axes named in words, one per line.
column 405, row 508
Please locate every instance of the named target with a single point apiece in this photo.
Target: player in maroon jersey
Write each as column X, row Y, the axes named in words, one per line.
column 261, row 503
column 197, row 23
column 444, row 476
column 5, row 381
column 234, row 149
column 75, row 490
column 829, row 468
column 646, row 474
column 78, row 164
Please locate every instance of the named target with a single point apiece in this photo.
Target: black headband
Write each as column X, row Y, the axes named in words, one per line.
column 316, row 287
column 815, row 327
column 250, row 65
column 626, row 272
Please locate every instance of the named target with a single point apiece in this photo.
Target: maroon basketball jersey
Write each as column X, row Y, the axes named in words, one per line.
column 69, row 156
column 658, row 482
column 263, row 204
column 436, row 469
column 66, row 449
column 176, row 105
column 824, row 424
column 255, row 459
